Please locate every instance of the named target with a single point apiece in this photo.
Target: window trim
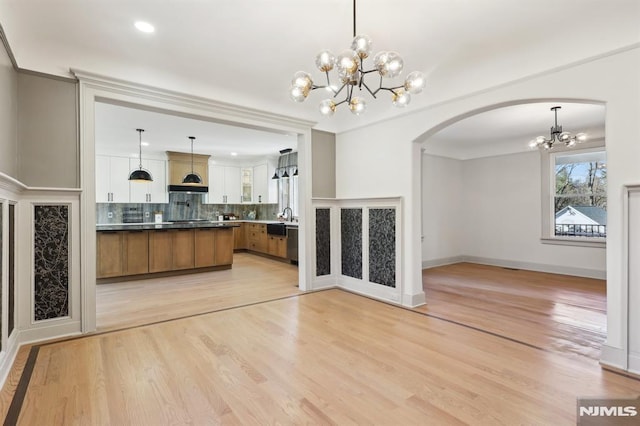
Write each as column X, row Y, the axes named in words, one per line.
column 548, row 195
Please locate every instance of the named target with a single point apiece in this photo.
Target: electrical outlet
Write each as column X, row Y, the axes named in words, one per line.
column 110, row 215
column 146, row 214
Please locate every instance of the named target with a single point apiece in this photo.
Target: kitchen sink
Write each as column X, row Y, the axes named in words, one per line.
column 276, row 229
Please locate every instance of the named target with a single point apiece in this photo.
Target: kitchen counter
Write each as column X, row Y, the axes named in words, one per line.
column 183, row 225
column 164, row 225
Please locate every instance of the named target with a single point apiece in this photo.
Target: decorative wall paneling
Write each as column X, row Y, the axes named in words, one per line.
column 9, row 194
column 358, row 246
column 51, row 219
column 628, row 357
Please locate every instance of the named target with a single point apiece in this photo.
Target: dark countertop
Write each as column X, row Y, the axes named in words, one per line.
column 165, row 225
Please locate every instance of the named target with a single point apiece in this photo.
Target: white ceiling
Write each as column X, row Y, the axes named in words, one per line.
column 245, row 51
column 508, row 130
column 116, row 135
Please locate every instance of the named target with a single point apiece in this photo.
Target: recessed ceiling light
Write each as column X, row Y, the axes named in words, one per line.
column 234, row 154
column 145, row 27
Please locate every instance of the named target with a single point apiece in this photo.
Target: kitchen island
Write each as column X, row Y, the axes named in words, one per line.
column 147, row 249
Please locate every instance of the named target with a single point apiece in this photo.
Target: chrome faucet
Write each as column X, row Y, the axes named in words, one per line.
column 284, row 214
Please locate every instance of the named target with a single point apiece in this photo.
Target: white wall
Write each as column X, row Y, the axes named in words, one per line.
column 394, row 145
column 443, row 212
column 488, row 210
column 503, row 224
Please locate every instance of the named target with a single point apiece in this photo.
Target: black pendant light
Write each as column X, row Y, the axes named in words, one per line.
column 192, row 178
column 275, row 175
column 285, row 174
column 140, row 175
column 295, row 173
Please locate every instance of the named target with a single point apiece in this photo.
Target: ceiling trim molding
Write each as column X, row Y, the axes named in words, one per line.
column 5, row 42
column 49, row 76
column 226, row 112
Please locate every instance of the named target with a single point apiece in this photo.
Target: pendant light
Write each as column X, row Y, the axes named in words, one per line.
column 192, row 178
column 140, row 175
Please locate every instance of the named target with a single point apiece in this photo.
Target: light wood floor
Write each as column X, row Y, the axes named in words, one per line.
column 489, row 348
column 559, row 313
column 251, row 279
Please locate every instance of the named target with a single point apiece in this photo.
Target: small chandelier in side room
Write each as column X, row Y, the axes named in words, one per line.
column 557, row 136
column 351, row 75
column 140, row 175
column 192, row 178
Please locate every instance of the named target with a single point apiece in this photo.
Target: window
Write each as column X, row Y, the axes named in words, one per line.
column 288, row 192
column 579, row 202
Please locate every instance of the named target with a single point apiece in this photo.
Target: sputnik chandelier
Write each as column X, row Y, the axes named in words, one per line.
column 351, row 74
column 557, row 136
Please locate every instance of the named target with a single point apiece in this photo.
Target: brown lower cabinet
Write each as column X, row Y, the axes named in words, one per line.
column 239, row 237
column 135, row 252
column 183, row 248
column 109, row 252
column 122, row 253
column 277, row 245
column 160, row 251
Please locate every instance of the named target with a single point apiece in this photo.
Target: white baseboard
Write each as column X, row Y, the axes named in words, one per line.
column 8, row 357
column 634, row 364
column 614, row 357
column 53, row 331
column 414, row 300
column 538, row 267
column 324, row 282
column 426, row 264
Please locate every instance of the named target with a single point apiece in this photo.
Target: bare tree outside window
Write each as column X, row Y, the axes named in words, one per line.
column 580, row 201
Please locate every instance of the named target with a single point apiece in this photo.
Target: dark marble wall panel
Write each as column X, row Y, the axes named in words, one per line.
column 323, row 242
column 382, row 246
column 51, row 261
column 351, row 238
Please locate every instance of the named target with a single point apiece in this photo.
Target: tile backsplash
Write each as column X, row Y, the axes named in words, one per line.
column 181, row 206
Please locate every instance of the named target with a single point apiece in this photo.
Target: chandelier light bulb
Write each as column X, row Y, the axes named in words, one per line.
column 581, row 137
column 564, row 136
column 400, row 98
column 347, row 62
column 298, row 94
column 357, row 105
column 394, row 65
column 302, row 80
column 380, row 62
column 327, row 107
column 533, row 144
column 325, row 61
column 362, row 46
column 415, row 82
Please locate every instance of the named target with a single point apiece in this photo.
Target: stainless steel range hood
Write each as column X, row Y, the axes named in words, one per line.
column 190, row 189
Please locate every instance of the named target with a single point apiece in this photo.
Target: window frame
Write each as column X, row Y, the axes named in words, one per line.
column 547, row 159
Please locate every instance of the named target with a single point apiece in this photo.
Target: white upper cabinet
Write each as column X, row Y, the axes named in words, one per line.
column 260, row 184
column 112, row 179
column 224, row 184
column 149, row 192
column 232, row 185
column 265, row 189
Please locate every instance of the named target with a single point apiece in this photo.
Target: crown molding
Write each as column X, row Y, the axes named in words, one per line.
column 235, row 113
column 5, row 42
